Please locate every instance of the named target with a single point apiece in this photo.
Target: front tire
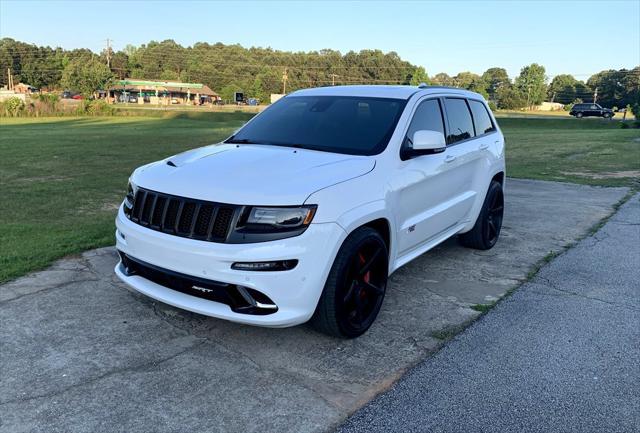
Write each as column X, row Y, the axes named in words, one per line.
column 355, row 287
column 485, row 232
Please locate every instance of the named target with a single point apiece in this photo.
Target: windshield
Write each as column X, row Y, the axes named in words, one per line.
column 340, row 124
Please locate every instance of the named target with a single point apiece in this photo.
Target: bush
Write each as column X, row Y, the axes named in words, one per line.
column 12, row 107
column 98, row 107
column 45, row 104
column 510, row 98
column 493, row 106
column 48, row 98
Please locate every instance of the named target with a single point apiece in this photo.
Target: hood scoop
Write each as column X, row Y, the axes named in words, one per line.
column 193, row 155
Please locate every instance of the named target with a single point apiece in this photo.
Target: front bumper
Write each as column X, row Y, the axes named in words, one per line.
column 295, row 292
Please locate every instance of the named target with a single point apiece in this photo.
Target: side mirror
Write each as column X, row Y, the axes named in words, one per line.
column 430, row 141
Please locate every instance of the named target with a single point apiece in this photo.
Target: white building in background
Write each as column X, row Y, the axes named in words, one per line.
column 549, row 106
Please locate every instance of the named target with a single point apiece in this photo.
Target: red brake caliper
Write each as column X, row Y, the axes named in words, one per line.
column 366, row 276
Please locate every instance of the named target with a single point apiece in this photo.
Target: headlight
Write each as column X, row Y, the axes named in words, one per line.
column 259, row 224
column 280, row 217
column 129, row 199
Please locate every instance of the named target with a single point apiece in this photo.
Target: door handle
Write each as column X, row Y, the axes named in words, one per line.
column 484, row 146
column 449, row 158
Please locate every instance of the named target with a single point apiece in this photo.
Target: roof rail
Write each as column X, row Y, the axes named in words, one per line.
column 425, row 86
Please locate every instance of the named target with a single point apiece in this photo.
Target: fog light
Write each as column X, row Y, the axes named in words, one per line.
column 280, row 265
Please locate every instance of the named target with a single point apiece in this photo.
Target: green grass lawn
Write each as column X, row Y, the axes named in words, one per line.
column 552, row 114
column 62, row 179
column 588, row 151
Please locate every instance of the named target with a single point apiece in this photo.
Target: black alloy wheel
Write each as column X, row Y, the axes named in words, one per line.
column 495, row 214
column 356, row 286
column 486, row 231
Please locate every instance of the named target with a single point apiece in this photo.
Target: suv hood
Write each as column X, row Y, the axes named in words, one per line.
column 250, row 174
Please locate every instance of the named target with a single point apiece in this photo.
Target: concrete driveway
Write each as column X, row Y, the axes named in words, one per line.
column 81, row 353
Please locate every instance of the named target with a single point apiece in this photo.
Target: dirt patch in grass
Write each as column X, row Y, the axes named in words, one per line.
column 110, row 206
column 50, row 178
column 606, row 174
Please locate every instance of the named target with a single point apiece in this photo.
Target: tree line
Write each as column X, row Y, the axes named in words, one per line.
column 259, row 72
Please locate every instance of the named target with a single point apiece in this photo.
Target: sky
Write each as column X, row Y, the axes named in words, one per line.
column 576, row 37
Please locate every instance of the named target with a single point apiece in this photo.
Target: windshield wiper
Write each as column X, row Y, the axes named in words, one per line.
column 294, row 145
column 268, row 143
column 240, row 141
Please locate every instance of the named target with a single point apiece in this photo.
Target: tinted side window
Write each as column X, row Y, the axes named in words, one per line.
column 428, row 116
column 460, row 123
column 481, row 118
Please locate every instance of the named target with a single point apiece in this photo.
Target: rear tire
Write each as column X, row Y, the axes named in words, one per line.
column 355, row 287
column 485, row 232
column 579, row 115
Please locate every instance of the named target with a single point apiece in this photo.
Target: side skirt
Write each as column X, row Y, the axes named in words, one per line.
column 426, row 246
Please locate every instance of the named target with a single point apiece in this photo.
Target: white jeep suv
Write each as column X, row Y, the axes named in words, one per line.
column 306, row 210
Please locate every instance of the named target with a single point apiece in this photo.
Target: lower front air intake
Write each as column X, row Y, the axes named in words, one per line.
column 240, row 299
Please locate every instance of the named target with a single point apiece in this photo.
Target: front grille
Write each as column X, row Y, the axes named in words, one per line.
column 182, row 216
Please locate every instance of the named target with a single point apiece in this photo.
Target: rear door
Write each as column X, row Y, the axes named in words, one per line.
column 465, row 149
column 489, row 144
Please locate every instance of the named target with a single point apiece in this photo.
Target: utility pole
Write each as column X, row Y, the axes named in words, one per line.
column 333, row 79
column 595, row 95
column 9, row 79
column 285, row 77
column 108, row 53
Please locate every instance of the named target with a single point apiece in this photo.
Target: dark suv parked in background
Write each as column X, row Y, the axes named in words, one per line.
column 585, row 110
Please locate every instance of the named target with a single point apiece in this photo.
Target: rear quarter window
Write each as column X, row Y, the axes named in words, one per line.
column 481, row 118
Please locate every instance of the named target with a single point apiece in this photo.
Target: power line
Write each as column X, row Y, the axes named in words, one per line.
column 304, row 66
